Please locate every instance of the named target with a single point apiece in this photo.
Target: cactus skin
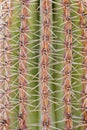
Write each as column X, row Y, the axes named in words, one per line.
column 23, row 65
column 67, row 65
column 33, row 58
column 84, row 52
column 44, row 63
column 29, row 73
column 5, row 67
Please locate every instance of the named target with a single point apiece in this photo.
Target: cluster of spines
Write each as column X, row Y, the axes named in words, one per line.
column 5, row 64
column 23, row 65
column 67, row 65
column 83, row 26
column 44, row 63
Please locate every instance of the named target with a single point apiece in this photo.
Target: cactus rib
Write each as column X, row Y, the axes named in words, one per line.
column 23, row 65
column 44, row 63
column 67, row 65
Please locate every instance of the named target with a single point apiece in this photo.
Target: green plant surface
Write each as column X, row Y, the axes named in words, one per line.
column 43, row 65
column 56, row 67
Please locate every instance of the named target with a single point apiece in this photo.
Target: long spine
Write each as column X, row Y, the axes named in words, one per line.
column 84, row 52
column 44, row 63
column 67, row 65
column 23, row 65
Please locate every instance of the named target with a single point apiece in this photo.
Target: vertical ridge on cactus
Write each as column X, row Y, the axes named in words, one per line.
column 67, row 65
column 42, row 69
column 23, row 65
column 44, row 62
column 5, row 14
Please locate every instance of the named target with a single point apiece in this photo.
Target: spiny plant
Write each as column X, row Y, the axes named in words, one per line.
column 67, row 64
column 43, row 64
column 82, row 6
column 5, row 22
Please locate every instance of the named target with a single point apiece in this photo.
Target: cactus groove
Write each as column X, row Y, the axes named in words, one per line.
column 81, row 11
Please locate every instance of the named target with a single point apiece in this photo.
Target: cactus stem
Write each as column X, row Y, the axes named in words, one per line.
column 44, row 62
column 82, row 6
column 67, row 65
column 5, row 59
column 23, row 65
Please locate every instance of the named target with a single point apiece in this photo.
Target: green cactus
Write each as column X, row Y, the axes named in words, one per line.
column 43, row 64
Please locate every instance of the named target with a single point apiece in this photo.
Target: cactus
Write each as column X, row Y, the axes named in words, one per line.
column 43, row 64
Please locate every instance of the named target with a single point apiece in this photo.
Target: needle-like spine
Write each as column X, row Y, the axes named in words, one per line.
column 5, row 63
column 45, row 8
column 67, row 64
column 23, row 65
column 82, row 14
